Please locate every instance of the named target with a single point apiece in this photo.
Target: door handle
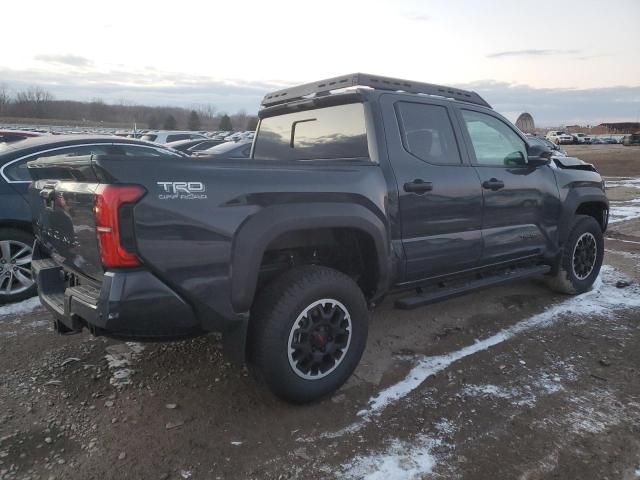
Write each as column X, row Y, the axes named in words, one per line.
column 493, row 184
column 418, row 186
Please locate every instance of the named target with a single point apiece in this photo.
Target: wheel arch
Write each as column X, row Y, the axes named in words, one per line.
column 259, row 232
column 589, row 201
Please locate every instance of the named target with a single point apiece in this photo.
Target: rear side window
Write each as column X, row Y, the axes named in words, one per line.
column 178, row 136
column 18, row 172
column 144, row 151
column 336, row 132
column 427, row 133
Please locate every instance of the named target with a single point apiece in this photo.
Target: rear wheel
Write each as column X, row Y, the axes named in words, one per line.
column 581, row 259
column 307, row 333
column 16, row 282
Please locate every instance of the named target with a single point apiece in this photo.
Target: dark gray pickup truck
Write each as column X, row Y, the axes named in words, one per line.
column 356, row 186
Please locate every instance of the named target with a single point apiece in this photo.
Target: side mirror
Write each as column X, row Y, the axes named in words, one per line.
column 537, row 155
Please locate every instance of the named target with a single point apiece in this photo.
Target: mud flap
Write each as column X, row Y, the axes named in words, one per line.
column 234, row 340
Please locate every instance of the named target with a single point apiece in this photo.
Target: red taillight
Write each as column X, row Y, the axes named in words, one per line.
column 108, row 200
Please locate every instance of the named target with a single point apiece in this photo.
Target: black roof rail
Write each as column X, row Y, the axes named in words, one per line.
column 374, row 81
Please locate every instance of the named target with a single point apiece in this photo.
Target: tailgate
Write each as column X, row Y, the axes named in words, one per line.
column 62, row 205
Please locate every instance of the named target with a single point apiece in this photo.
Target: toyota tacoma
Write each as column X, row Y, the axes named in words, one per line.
column 355, row 187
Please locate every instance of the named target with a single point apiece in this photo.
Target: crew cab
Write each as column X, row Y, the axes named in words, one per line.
column 356, row 186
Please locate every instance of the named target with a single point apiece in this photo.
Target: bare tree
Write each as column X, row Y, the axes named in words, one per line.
column 5, row 98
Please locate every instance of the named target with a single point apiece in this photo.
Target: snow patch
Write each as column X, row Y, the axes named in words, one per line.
column 624, row 211
column 625, row 182
column 604, row 298
column 119, row 357
column 621, row 240
column 489, row 391
column 401, row 461
column 20, row 308
column 445, row 427
column 592, row 413
column 540, row 383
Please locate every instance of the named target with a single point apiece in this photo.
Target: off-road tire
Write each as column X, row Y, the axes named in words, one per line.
column 27, row 239
column 565, row 280
column 279, row 306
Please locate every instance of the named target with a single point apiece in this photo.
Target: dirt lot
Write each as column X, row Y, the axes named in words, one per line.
column 510, row 382
column 611, row 160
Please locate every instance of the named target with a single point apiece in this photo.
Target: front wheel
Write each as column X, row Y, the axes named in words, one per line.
column 581, row 259
column 308, row 330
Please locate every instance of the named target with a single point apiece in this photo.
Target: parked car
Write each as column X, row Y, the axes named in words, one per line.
column 240, row 149
column 610, row 141
column 190, row 146
column 559, row 137
column 168, row 136
column 348, row 196
column 16, row 233
column 581, row 138
column 633, row 139
column 597, row 141
column 8, row 136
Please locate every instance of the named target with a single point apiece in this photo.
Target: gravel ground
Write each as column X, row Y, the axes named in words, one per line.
column 509, row 382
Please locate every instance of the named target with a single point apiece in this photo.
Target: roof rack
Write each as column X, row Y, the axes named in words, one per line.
column 374, row 81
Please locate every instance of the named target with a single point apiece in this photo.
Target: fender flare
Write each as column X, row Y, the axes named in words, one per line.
column 255, row 234
column 576, row 197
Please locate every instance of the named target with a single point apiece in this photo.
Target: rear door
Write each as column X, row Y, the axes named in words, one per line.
column 439, row 193
column 521, row 205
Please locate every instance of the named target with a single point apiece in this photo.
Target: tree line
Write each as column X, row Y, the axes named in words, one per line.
column 36, row 103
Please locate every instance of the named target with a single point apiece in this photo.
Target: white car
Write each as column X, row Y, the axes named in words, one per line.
column 583, row 138
column 559, row 137
column 166, row 136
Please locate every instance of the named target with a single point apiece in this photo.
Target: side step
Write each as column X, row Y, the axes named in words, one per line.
column 445, row 292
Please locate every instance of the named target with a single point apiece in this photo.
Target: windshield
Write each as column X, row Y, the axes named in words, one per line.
column 149, row 137
column 336, row 132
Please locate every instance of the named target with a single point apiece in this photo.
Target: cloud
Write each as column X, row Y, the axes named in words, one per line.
column 532, row 53
column 561, row 106
column 72, row 60
column 419, row 18
column 549, row 106
column 148, row 87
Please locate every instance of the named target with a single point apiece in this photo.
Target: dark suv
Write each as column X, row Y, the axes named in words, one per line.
column 16, row 233
column 349, row 194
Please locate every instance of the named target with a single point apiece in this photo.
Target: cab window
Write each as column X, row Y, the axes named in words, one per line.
column 494, row 142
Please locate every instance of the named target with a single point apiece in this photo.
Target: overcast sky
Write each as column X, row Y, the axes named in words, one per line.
column 564, row 62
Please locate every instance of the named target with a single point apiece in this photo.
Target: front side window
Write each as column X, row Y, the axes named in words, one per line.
column 427, row 133
column 336, row 132
column 494, row 143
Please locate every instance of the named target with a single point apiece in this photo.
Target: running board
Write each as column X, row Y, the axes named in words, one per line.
column 444, row 292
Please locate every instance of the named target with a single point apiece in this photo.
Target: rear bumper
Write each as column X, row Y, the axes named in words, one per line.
column 127, row 305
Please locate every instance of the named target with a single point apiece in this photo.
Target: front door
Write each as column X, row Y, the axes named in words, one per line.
column 440, row 198
column 520, row 201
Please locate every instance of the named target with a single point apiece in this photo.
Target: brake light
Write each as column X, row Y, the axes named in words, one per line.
column 107, row 202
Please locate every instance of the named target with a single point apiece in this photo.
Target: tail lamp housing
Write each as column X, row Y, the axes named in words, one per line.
column 109, row 203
